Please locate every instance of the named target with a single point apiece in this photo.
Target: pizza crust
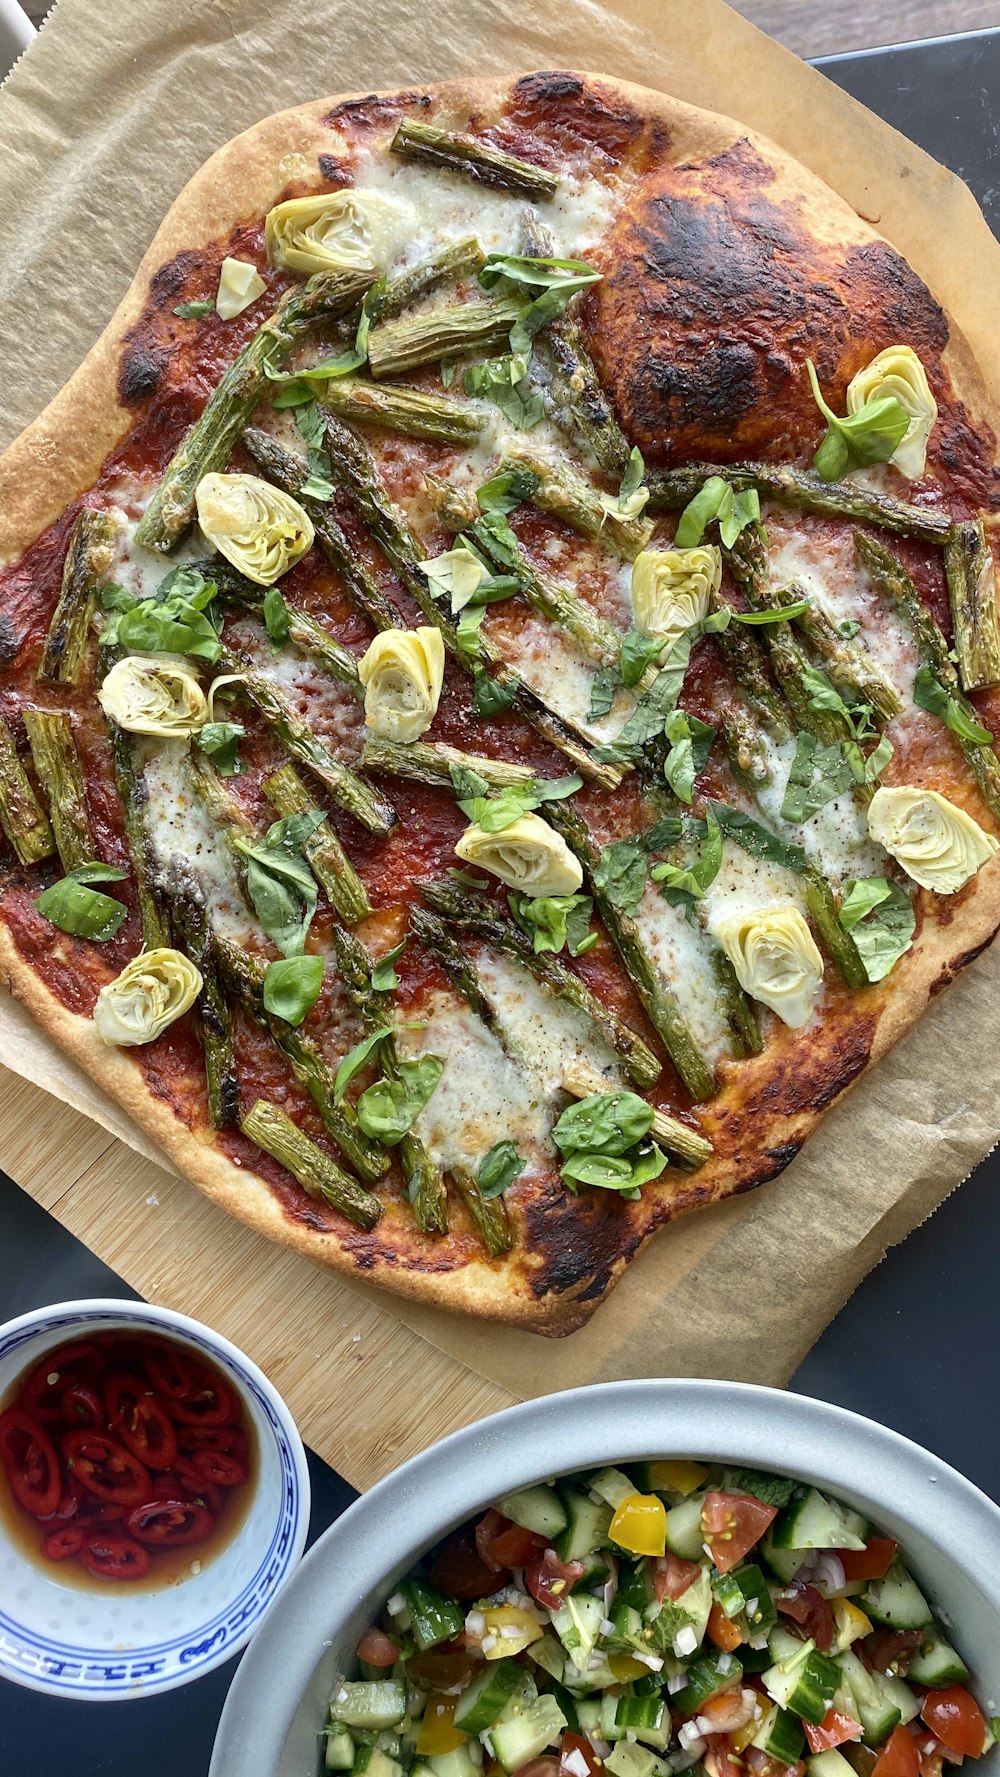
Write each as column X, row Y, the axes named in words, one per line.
column 59, row 457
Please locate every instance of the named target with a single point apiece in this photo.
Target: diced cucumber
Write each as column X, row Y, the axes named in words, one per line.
column 577, row 1623
column 609, row 1713
column 781, row 1735
column 634, row 1712
column 434, row 1617
column 684, row 1532
column 627, row 1759
column 754, row 1659
column 365, row 1705
column 463, row 1761
column 535, row 1508
column 587, row 1522
column 522, row 1737
column 696, row 1603
column 856, row 1523
column 784, row 1563
column 805, row 1684
column 588, row 1710
column 596, row 1572
column 866, row 1701
column 829, row 1764
column 936, row 1663
column 707, row 1676
column 613, row 1485
column 813, row 1522
column 728, row 1595
column 549, row 1654
column 371, row 1761
column 783, row 1645
column 339, row 1755
column 754, row 1598
column 482, row 1700
column 900, row 1695
column 897, row 1601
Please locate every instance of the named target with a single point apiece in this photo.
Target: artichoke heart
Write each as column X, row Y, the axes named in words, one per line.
column 148, row 695
column 350, row 230
column 529, row 856
column 938, row 845
column 240, row 284
column 402, row 673
column 671, row 588
column 261, row 530
column 775, row 958
column 898, row 372
column 458, row 574
column 152, row 990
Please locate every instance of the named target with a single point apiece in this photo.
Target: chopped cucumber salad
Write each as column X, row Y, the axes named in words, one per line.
column 669, row 1617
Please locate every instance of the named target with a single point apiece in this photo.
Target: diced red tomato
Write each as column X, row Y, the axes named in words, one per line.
column 377, row 1649
column 549, row 1580
column 763, row 1765
column 870, row 1563
column 721, row 1631
column 28, row 1455
column 732, row 1523
column 898, row 1757
column 955, row 1718
column 460, row 1570
column 890, row 1651
column 114, row 1557
column 728, row 1711
column 60, row 1544
column 809, row 1609
column 573, row 1748
column 672, row 1576
column 545, row 1766
column 503, row 1544
column 833, row 1730
column 720, row 1760
column 169, row 1523
column 106, row 1469
column 932, row 1763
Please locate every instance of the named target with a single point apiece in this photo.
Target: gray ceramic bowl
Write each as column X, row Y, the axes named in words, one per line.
column 950, row 1532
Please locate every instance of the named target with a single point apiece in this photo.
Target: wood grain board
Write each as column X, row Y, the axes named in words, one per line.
column 366, row 1391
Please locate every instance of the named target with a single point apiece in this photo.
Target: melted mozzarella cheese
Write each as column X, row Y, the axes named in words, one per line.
column 830, row 574
column 185, row 842
column 551, row 663
column 330, row 708
column 483, row 1097
column 548, row 1036
column 836, row 839
column 682, row 959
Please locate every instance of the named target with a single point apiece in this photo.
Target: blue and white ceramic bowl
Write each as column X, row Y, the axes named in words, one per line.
column 102, row 1646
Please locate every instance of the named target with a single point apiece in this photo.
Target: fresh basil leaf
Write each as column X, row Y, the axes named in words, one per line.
column 319, row 482
column 715, row 501
column 291, row 987
column 637, row 652
column 112, row 597
column 503, row 492
column 653, row 708
column 489, row 697
column 356, row 1059
column 737, row 511
column 467, row 632
column 690, row 744
column 603, row 686
column 74, row 908
column 876, row 761
column 555, row 789
column 666, row 832
column 447, row 369
column 345, row 362
column 817, row 775
column 186, row 583
column 193, row 311
column 384, row 977
column 881, row 920
column 775, row 614
column 498, row 1169
column 504, row 382
column 276, row 619
column 756, row 840
column 221, row 741
column 691, row 882
column 620, row 873
column 931, row 695
column 502, row 810
column 295, row 392
column 848, row 628
column 869, row 436
column 467, row 785
column 611, row 1173
column 389, row 1109
column 565, row 275
column 631, row 480
column 174, row 621
column 310, row 424
column 553, row 922
column 280, row 883
column 605, row 1123
column 773, row 1490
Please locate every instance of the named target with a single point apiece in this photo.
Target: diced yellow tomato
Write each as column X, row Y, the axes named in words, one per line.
column 509, row 1630
column 625, row 1668
column 849, row 1623
column 438, row 1732
column 741, row 1739
column 678, row 1475
column 640, row 1525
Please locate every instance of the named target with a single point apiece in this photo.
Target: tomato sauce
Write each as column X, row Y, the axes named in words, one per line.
column 126, row 1458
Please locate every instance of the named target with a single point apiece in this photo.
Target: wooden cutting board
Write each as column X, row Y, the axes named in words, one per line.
column 366, row 1391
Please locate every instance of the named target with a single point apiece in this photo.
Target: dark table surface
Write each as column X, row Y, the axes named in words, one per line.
column 915, row 1345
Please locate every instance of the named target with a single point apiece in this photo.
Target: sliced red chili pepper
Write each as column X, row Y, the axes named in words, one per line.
column 140, row 1420
column 59, row 1545
column 114, row 1557
column 81, row 1406
column 220, row 1467
column 185, row 1476
column 166, row 1523
column 99, row 1511
column 106, row 1469
column 209, row 1401
column 70, row 1501
column 32, row 1465
column 46, row 1384
column 168, row 1370
column 232, row 1438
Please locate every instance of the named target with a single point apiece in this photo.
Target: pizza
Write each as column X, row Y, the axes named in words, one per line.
column 500, row 661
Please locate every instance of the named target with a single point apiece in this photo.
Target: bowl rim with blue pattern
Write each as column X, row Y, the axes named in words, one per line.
column 218, row 1609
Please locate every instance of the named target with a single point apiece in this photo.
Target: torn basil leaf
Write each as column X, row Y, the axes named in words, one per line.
column 75, row 908
column 689, row 882
column 756, row 840
column 389, row 1109
column 467, row 632
column 620, row 873
column 193, row 311
column 447, row 369
column 319, row 482
column 292, row 986
column 280, row 883
column 554, row 922
column 356, row 1059
column 604, row 1123
column 176, row 620
column 881, row 919
column 603, row 686
column 221, row 741
column 276, row 620
column 690, row 744
column 384, row 977
column 868, row 436
column 817, row 775
column 637, row 652
column 504, row 382
column 507, row 490
column 931, row 695
column 489, row 697
column 498, row 1170
column 717, row 501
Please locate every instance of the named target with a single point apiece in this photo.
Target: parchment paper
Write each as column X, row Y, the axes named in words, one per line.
column 100, row 124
